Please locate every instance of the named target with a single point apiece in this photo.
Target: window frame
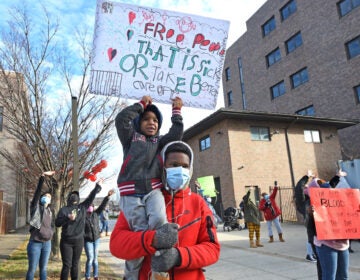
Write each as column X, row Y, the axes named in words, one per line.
column 260, row 133
column 290, row 8
column 275, row 54
column 293, row 39
column 301, row 77
column 272, row 27
column 230, row 98
column 351, row 7
column 310, row 133
column 207, row 143
column 347, row 46
column 227, row 74
column 306, row 110
column 357, row 93
column 277, row 86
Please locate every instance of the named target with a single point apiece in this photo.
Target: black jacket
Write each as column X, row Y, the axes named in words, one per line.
column 92, row 227
column 73, row 230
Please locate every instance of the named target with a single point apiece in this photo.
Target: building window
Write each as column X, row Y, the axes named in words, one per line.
column 205, row 143
column 357, row 94
column 268, row 26
column 346, row 6
column 278, row 90
column 230, row 98
column 273, row 57
column 1, row 118
column 312, row 136
column 308, row 111
column 288, row 10
column 353, row 47
column 227, row 73
column 293, row 43
column 299, row 78
column 260, row 133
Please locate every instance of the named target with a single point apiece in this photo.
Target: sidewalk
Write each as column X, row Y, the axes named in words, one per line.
column 273, row 261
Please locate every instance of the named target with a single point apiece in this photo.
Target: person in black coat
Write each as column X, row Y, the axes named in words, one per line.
column 71, row 219
column 92, row 237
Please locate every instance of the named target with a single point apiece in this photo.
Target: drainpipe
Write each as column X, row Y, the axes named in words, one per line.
column 289, row 157
column 289, row 151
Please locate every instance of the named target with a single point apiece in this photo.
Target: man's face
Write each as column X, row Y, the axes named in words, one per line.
column 177, row 159
column 149, row 124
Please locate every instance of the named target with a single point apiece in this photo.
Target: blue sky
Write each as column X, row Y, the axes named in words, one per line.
column 72, row 13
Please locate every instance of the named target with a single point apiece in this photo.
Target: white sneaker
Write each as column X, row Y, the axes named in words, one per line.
column 310, row 258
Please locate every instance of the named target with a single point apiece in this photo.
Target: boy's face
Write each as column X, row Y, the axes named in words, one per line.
column 149, row 124
column 177, row 159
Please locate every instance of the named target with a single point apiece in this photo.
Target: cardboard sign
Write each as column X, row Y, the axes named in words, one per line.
column 208, row 185
column 141, row 51
column 337, row 213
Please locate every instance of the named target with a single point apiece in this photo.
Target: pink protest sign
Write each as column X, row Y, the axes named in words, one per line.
column 144, row 51
column 337, row 213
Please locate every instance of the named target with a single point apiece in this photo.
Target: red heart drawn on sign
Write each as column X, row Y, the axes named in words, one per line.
column 111, row 53
column 214, row 47
column 132, row 16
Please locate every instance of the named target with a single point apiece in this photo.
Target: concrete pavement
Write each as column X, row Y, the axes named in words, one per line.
column 276, row 260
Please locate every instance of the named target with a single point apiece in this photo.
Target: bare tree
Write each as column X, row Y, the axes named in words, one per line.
column 38, row 117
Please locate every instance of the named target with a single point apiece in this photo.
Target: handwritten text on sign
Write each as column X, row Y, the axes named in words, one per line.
column 144, row 51
column 337, row 213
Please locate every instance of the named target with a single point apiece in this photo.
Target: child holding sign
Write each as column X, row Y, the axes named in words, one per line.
column 139, row 180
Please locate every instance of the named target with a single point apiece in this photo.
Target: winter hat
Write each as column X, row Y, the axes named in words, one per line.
column 153, row 109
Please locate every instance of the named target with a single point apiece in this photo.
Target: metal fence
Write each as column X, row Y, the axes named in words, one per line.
column 285, row 201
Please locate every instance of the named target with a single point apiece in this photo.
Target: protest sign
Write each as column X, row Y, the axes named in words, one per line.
column 337, row 213
column 208, row 185
column 141, row 51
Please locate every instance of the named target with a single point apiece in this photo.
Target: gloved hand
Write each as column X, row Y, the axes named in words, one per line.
column 164, row 260
column 166, row 236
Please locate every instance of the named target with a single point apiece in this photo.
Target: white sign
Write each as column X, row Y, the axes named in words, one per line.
column 141, row 51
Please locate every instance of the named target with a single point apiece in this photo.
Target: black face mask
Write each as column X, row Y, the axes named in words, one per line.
column 74, row 199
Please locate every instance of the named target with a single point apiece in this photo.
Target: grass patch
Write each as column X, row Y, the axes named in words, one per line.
column 16, row 267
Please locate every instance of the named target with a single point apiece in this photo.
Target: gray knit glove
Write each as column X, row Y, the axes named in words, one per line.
column 164, row 260
column 166, row 236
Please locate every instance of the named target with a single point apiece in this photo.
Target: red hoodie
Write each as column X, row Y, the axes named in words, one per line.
column 198, row 244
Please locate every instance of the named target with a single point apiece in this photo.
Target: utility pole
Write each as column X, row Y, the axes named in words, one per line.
column 75, row 143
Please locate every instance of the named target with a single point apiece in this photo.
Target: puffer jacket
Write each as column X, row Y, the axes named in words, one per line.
column 198, row 244
column 140, row 172
column 270, row 211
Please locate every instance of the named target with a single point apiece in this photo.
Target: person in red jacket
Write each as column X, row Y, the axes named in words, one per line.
column 271, row 213
column 178, row 247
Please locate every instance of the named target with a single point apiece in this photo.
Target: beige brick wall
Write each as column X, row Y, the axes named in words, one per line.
column 239, row 161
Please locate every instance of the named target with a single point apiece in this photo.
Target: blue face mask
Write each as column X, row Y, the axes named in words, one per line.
column 266, row 197
column 177, row 177
column 45, row 200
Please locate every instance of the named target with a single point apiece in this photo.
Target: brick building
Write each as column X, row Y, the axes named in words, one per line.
column 299, row 57
column 13, row 191
column 243, row 148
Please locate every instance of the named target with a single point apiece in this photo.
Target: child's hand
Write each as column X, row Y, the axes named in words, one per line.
column 146, row 99
column 48, row 173
column 177, row 102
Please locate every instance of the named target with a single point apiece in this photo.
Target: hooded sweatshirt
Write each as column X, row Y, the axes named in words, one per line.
column 197, row 236
column 140, row 172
